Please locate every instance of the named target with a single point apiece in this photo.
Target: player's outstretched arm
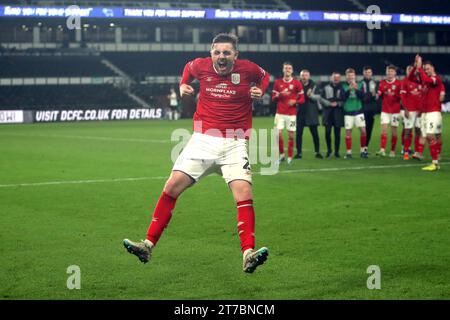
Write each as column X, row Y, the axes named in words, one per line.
column 275, row 92
column 187, row 77
column 301, row 95
column 432, row 81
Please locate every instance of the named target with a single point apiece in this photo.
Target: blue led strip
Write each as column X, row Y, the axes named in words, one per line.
column 220, row 14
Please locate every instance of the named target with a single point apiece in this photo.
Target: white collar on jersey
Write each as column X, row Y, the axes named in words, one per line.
column 292, row 79
column 391, row 81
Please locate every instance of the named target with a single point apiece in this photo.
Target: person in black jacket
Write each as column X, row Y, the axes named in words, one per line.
column 308, row 115
column 332, row 100
column 370, row 104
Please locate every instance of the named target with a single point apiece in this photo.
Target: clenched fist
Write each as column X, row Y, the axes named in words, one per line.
column 255, row 93
column 186, row 89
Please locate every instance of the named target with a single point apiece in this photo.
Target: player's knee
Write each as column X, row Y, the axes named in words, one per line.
column 171, row 189
column 176, row 185
column 243, row 196
column 242, row 190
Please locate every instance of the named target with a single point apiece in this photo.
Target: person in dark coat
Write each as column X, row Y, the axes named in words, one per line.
column 332, row 100
column 308, row 115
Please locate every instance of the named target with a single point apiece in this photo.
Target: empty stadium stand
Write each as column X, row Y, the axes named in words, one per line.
column 51, row 65
column 63, row 97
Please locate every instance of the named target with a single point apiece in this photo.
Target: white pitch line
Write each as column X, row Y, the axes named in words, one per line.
column 361, row 168
column 90, row 138
column 47, row 183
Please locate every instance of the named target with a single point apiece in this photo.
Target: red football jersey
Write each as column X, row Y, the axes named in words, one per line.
column 283, row 91
column 390, row 92
column 433, row 87
column 411, row 95
column 224, row 101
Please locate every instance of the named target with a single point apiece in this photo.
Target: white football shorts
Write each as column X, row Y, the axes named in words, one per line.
column 205, row 154
column 354, row 121
column 390, row 118
column 431, row 123
column 285, row 121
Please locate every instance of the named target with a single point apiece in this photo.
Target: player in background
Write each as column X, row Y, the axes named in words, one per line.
column 287, row 93
column 431, row 116
column 389, row 91
column 353, row 113
column 173, row 104
column 370, row 104
column 419, row 139
column 411, row 98
column 441, row 99
column 222, row 122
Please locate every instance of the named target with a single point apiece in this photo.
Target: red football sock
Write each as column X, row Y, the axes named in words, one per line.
column 416, row 143
column 363, row 141
column 420, row 148
column 439, row 147
column 161, row 217
column 290, row 147
column 434, row 150
column 280, row 144
column 246, row 224
column 407, row 143
column 383, row 141
column 393, row 143
column 348, row 142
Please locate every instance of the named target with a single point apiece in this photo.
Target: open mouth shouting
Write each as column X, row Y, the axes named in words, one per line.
column 222, row 66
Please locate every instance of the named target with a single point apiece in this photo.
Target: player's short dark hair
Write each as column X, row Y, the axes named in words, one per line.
column 336, row 72
column 350, row 70
column 428, row 62
column 391, row 66
column 225, row 38
column 365, row 68
column 288, row 63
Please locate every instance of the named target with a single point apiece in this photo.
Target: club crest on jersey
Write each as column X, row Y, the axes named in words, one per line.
column 291, row 87
column 235, row 78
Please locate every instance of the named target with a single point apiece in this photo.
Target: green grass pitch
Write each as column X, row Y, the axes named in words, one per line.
column 64, row 200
